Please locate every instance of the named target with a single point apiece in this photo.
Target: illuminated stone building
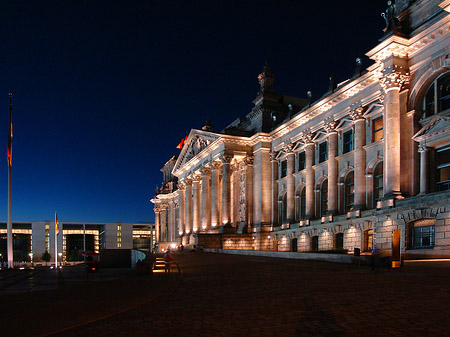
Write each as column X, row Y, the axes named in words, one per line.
column 372, row 155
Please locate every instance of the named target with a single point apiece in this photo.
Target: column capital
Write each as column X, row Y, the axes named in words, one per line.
column 197, row 177
column 156, row 209
column 188, row 181
column 163, row 207
column 288, row 148
column 226, row 158
column 357, row 114
column 398, row 78
column 423, row 148
column 273, row 156
column 216, row 164
column 248, row 160
column 308, row 138
column 181, row 186
column 206, row 170
column 330, row 127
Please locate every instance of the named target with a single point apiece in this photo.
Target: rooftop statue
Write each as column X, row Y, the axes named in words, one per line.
column 392, row 23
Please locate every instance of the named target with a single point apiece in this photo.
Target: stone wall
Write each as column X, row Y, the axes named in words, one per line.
column 238, row 241
column 213, row 241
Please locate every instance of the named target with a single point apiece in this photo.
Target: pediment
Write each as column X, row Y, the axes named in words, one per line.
column 439, row 125
column 197, row 141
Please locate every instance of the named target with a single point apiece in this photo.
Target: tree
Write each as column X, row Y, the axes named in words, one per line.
column 46, row 256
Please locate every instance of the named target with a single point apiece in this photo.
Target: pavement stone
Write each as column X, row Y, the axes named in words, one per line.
column 232, row 295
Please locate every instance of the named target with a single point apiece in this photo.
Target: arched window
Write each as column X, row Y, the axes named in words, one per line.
column 324, row 198
column 349, row 192
column 378, row 183
column 437, row 98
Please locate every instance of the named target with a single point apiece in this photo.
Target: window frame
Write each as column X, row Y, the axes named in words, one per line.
column 345, row 142
column 323, row 154
column 379, row 130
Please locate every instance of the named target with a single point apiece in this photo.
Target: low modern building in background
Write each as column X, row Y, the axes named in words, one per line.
column 32, row 239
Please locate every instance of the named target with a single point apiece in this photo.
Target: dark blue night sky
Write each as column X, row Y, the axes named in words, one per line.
column 103, row 91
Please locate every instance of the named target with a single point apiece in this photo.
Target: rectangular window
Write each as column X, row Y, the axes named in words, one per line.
column 422, row 237
column 283, row 169
column 301, row 161
column 377, row 129
column 348, row 141
column 323, row 152
column 443, row 169
column 119, row 236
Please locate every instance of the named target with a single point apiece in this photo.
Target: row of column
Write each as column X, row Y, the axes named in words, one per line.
column 392, row 84
column 200, row 200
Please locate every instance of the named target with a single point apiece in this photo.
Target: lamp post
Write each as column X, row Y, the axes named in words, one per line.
column 1, row 255
column 60, row 258
column 31, row 258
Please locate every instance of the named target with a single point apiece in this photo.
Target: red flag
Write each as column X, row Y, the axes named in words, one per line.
column 9, row 154
column 56, row 224
column 180, row 146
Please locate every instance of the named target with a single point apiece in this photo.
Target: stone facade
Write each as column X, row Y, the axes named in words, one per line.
column 372, row 155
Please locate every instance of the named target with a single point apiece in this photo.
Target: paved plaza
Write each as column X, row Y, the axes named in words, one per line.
column 227, row 295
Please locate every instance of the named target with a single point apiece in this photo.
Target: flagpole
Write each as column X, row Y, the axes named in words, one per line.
column 9, row 226
column 56, row 241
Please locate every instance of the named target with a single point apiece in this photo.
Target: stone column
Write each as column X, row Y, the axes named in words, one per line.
column 274, row 161
column 332, row 167
column 206, row 198
column 169, row 220
column 423, row 150
column 181, row 202
column 360, row 158
column 196, row 203
column 392, row 83
column 249, row 190
column 262, row 187
column 163, row 223
column 290, row 182
column 188, row 209
column 226, row 189
column 310, row 175
column 157, row 230
column 215, row 198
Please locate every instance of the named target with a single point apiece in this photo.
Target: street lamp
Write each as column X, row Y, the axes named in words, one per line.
column 1, row 255
column 60, row 260
column 31, row 258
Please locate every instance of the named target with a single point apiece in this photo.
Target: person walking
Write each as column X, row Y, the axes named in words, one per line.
column 167, row 261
